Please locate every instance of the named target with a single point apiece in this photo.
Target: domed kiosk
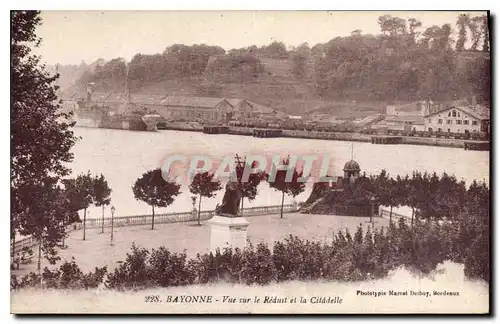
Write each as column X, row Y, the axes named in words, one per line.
column 351, row 169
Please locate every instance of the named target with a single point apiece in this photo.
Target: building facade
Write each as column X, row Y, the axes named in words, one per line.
column 457, row 119
column 201, row 109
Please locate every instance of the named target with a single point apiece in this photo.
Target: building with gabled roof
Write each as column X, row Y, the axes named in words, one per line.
column 177, row 107
column 458, row 119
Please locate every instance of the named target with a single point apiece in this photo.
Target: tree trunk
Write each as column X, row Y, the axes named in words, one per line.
column 39, row 266
column 84, row 219
column 199, row 210
column 153, row 219
column 412, row 214
column 14, row 245
column 282, row 203
column 242, row 199
column 390, row 216
column 102, row 225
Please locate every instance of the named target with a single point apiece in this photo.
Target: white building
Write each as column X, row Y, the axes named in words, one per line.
column 458, row 119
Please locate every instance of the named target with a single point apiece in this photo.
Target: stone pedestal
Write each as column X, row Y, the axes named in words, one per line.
column 228, row 232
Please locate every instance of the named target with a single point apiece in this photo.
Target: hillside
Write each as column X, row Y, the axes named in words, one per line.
column 347, row 76
column 275, row 87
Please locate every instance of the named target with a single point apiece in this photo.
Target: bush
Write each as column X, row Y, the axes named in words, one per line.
column 169, row 269
column 132, row 273
column 67, row 276
column 365, row 256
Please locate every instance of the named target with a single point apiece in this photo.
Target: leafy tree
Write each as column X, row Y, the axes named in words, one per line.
column 478, row 200
column 249, row 187
column 204, row 185
column 462, row 22
column 80, row 191
column 43, row 219
column 392, row 26
column 413, row 24
column 486, row 33
column 155, row 191
column 475, row 29
column 413, row 192
column 41, row 136
column 299, row 59
column 387, row 191
column 280, row 183
column 102, row 194
column 275, row 50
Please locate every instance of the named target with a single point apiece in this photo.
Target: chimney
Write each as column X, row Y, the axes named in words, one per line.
column 473, row 101
column 89, row 92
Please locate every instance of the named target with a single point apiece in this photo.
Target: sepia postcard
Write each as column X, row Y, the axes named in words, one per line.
column 250, row 162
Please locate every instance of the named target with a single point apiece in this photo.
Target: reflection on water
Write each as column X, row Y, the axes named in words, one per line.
column 122, row 157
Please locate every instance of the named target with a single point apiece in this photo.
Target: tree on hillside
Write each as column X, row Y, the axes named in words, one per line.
column 102, row 194
column 41, row 136
column 299, row 59
column 155, row 191
column 80, row 192
column 486, row 33
column 475, row 30
column 275, row 50
column 413, row 24
column 277, row 179
column 204, row 185
column 462, row 23
column 392, row 26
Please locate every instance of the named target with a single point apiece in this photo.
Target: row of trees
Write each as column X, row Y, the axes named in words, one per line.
column 159, row 191
column 369, row 254
column 66, row 199
column 429, row 196
column 402, row 63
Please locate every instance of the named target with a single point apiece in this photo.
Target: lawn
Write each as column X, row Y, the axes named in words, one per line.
column 96, row 250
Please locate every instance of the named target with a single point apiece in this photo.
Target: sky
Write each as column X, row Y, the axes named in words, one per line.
column 70, row 37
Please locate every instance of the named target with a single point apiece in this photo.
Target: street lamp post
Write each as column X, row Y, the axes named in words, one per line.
column 112, row 222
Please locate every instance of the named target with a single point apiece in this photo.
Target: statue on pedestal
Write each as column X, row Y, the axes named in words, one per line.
column 231, row 202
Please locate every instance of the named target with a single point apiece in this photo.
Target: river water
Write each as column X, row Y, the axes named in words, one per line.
column 123, row 156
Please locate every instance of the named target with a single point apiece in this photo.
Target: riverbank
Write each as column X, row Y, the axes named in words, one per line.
column 336, row 136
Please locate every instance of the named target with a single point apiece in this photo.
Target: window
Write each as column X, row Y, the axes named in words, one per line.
column 459, row 122
column 449, row 114
column 458, row 114
column 474, row 122
column 454, row 113
column 440, row 130
column 440, row 121
column 466, row 122
column 448, row 121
